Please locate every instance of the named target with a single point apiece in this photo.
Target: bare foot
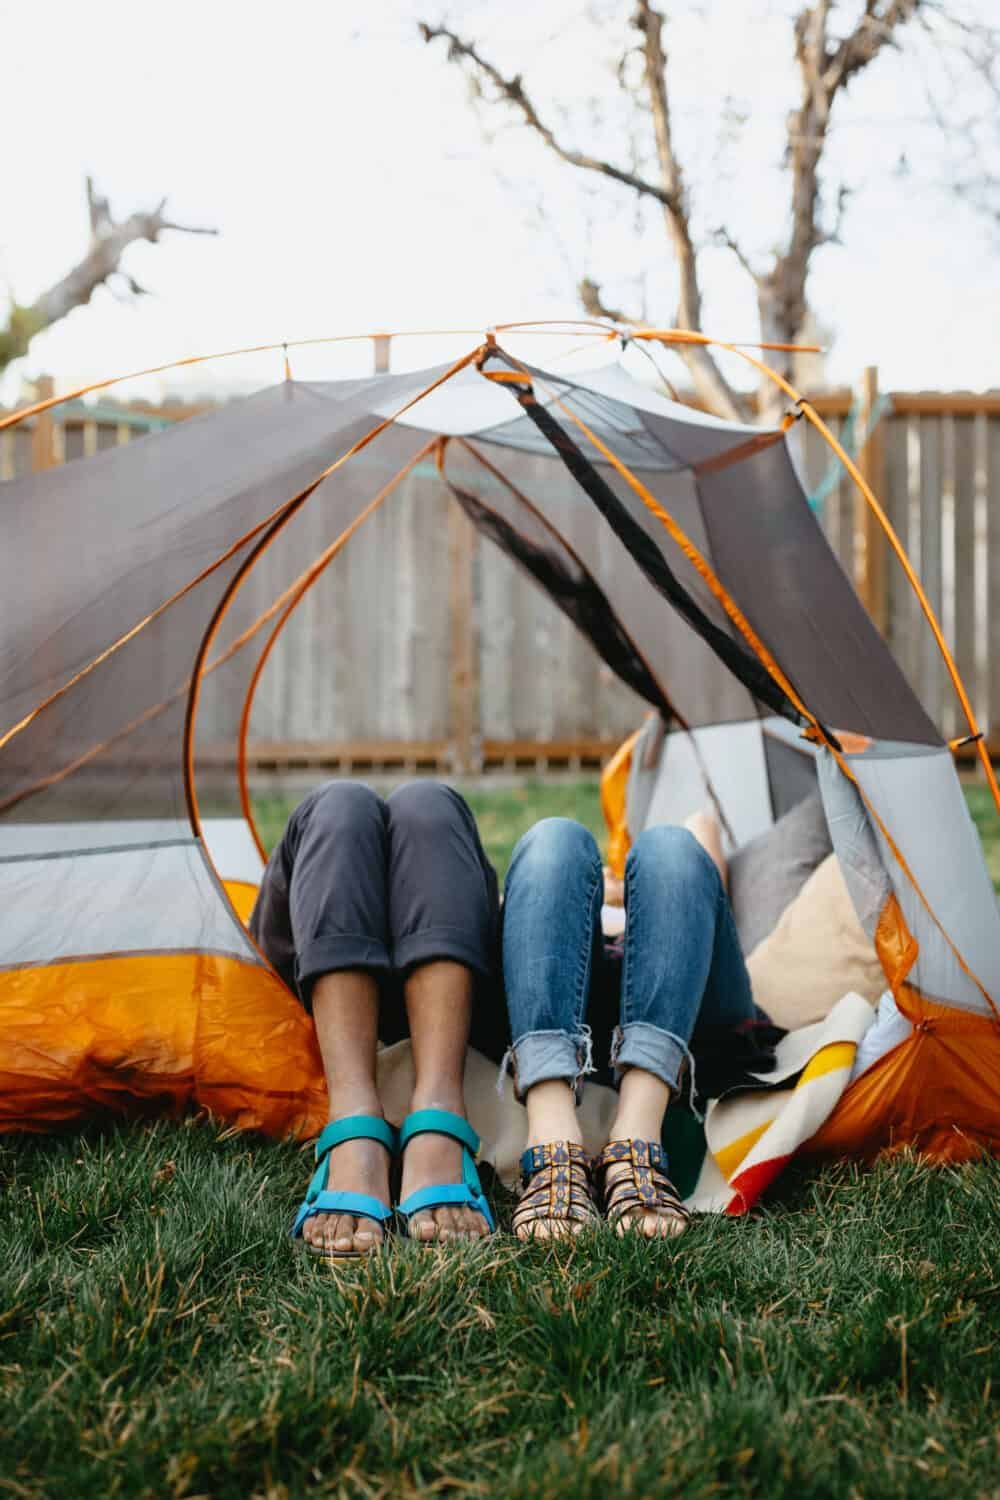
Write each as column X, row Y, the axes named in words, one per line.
column 430, row 1161
column 354, row 1167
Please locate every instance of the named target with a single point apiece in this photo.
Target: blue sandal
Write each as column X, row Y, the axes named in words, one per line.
column 465, row 1194
column 319, row 1200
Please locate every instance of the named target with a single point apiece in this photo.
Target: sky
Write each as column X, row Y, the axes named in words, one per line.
column 356, row 186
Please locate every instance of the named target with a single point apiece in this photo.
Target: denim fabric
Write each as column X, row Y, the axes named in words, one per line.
column 682, row 959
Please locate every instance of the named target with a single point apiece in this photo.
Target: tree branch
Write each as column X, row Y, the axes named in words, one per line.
column 512, row 91
column 824, row 68
column 873, row 32
column 108, row 242
column 722, row 237
column 709, row 381
column 593, row 304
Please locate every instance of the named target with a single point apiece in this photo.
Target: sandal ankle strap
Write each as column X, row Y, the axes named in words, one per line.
column 644, row 1155
column 553, row 1154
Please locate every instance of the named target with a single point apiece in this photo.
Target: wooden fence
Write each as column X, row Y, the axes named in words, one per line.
column 522, row 687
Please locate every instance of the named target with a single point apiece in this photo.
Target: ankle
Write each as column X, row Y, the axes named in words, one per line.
column 353, row 1098
column 439, row 1093
column 552, row 1113
column 642, row 1104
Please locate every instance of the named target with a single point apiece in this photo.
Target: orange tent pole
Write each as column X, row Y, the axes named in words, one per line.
column 288, row 511
column 765, row 656
column 813, row 416
column 294, row 595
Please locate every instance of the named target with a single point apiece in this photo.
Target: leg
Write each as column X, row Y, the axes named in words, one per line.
column 682, row 958
column 551, row 932
column 444, row 908
column 322, row 918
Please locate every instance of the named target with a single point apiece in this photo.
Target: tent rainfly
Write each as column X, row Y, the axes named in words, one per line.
column 128, row 980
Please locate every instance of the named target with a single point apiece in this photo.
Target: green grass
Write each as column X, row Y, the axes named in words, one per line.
column 987, row 821
column 505, row 813
column 502, row 813
column 161, row 1336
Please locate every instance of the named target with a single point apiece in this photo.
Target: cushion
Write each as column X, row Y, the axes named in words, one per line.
column 768, row 872
column 818, row 953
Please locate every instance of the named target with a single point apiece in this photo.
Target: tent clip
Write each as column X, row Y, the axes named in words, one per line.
column 967, row 739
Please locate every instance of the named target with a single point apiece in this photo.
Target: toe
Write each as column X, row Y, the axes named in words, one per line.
column 449, row 1224
column 423, row 1227
column 367, row 1236
column 340, row 1235
column 477, row 1225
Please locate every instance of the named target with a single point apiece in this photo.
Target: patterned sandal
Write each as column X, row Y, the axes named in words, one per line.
column 645, row 1186
column 556, row 1189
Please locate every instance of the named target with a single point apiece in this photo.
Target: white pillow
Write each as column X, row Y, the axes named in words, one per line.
column 817, row 953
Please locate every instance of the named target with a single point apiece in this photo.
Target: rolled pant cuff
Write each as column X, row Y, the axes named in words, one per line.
column 543, row 1055
column 431, row 943
column 640, row 1045
column 332, row 954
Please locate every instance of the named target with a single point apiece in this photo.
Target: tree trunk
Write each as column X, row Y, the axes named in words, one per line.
column 775, row 328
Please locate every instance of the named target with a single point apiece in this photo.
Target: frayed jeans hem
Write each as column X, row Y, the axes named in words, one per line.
column 656, row 1051
column 541, row 1056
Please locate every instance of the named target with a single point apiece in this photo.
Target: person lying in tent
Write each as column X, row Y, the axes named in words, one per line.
column 383, row 916
column 681, row 969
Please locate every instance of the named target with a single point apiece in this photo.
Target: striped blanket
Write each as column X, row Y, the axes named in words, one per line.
column 747, row 1138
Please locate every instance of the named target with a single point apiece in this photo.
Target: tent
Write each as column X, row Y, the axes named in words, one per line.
column 128, row 980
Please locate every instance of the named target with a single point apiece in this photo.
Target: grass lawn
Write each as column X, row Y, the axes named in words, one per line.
column 161, row 1336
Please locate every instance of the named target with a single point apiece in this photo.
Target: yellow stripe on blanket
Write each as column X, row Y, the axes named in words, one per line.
column 827, row 1060
column 729, row 1157
column 751, row 1135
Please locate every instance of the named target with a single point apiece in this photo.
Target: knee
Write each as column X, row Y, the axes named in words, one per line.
column 668, row 852
column 424, row 808
column 553, row 846
column 347, row 808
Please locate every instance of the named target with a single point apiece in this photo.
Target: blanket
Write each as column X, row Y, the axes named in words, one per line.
column 747, row 1137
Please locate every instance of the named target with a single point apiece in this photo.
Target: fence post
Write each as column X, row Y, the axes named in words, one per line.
column 43, row 434
column 463, row 694
column 382, row 342
column 869, row 538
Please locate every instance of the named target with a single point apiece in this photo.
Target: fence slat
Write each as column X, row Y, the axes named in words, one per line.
column 903, row 611
column 964, row 486
column 993, row 571
column 344, row 672
column 931, row 470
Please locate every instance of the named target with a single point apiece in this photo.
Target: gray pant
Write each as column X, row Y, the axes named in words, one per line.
column 383, row 885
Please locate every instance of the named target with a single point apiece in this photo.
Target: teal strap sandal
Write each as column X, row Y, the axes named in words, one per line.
column 465, row 1194
column 319, row 1200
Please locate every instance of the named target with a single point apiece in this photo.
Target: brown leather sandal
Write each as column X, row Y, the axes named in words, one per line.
column 644, row 1187
column 556, row 1189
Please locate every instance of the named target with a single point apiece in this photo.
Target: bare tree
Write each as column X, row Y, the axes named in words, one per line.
column 826, row 64
column 101, row 266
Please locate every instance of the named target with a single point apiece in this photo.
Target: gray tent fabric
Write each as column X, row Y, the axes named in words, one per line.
column 114, row 571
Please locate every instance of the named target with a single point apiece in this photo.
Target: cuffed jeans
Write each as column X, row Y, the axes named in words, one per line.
column 383, row 885
column 682, row 960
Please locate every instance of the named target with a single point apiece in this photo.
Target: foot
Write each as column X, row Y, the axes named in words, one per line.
column 353, row 1167
column 661, row 1218
column 554, row 1144
column 431, row 1161
column 556, row 1199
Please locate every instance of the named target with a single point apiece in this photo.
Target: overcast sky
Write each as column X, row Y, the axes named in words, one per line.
column 355, row 187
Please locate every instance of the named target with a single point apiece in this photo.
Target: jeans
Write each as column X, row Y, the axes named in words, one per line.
column 682, row 961
column 383, row 885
